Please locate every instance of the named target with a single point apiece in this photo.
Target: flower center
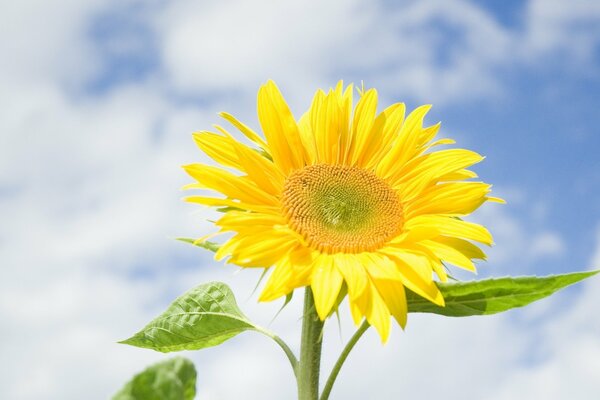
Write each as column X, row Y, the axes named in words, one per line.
column 341, row 209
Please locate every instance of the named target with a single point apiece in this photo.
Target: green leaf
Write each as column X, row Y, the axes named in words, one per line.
column 202, row 317
column 491, row 296
column 174, row 379
column 212, row 246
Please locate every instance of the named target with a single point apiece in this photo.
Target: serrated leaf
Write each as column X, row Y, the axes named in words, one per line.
column 174, row 379
column 212, row 246
column 203, row 317
column 491, row 296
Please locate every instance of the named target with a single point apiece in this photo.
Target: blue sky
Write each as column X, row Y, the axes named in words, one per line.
column 100, row 97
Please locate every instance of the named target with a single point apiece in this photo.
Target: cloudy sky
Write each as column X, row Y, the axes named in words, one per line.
column 97, row 105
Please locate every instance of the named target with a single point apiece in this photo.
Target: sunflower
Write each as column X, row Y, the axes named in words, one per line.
column 345, row 202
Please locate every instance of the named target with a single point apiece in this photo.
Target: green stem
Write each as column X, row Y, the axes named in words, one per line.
column 288, row 352
column 338, row 364
column 310, row 350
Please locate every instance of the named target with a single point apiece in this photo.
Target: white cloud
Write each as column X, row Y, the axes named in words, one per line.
column 547, row 244
column 42, row 39
column 595, row 262
column 237, row 44
column 234, row 44
column 570, row 351
column 519, row 241
column 571, row 30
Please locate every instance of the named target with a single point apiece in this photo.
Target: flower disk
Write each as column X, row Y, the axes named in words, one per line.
column 341, row 209
column 343, row 201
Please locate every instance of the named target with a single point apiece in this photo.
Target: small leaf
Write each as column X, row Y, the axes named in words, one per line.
column 174, row 379
column 260, row 279
column 227, row 209
column 212, row 246
column 202, row 317
column 288, row 298
column 491, row 296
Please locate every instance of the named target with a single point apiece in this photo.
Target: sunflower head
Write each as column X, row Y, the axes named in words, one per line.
column 344, row 200
column 339, row 208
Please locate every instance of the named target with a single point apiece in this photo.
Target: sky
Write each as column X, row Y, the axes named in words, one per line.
column 98, row 102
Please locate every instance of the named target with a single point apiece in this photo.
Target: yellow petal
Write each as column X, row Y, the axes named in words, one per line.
column 217, row 147
column 451, row 199
column 379, row 266
column 416, row 273
column 232, row 186
column 242, row 221
column 453, row 227
column 278, row 283
column 373, row 142
column 345, row 122
column 427, row 134
column 458, row 175
column 326, row 128
column 394, row 296
column 308, row 138
column 326, row 282
column 249, row 133
column 378, row 315
column 496, row 200
column 302, row 259
column 280, row 128
column 449, row 254
column 430, row 168
column 262, row 251
column 364, row 117
column 359, row 307
column 467, row 248
column 394, row 118
column 354, row 273
column 406, row 145
column 315, row 118
column 262, row 171
column 215, row 202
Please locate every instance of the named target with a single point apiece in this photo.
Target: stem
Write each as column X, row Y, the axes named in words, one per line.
column 288, row 352
column 310, row 350
column 338, row 364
